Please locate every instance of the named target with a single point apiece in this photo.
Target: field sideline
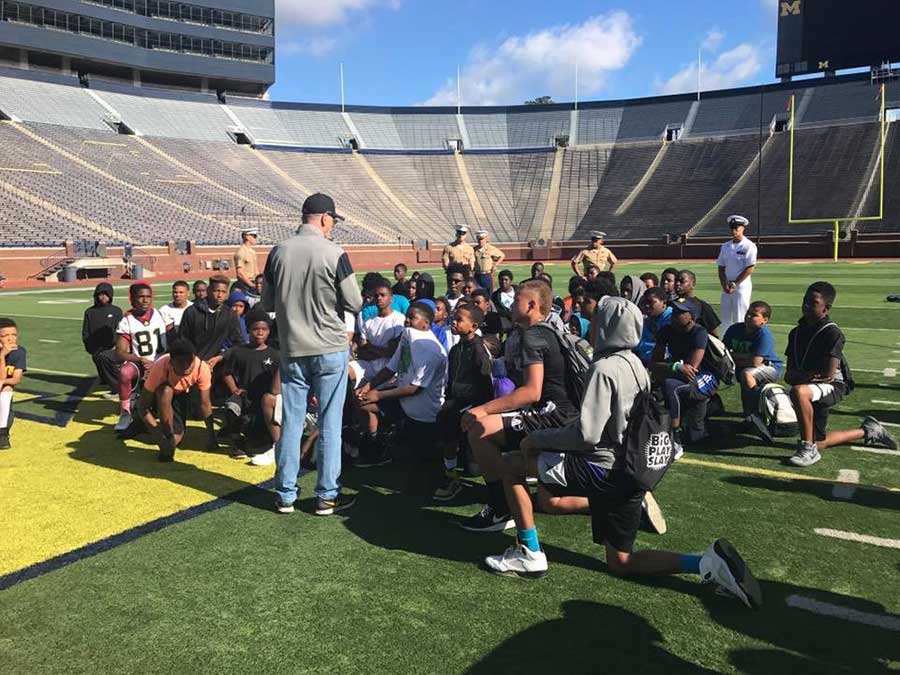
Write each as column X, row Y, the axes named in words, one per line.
column 185, row 568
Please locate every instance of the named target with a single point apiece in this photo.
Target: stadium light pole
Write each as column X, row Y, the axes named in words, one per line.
column 342, row 86
column 699, row 70
column 576, row 84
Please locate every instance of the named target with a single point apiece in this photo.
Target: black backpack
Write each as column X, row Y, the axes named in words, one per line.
column 648, row 442
column 578, row 355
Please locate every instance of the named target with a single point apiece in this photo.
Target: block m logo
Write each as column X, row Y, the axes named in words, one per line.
column 790, row 8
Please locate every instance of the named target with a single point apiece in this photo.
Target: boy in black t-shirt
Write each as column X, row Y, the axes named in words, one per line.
column 814, row 354
column 537, row 366
column 468, row 385
column 250, row 374
column 12, row 365
column 685, row 383
column 684, row 288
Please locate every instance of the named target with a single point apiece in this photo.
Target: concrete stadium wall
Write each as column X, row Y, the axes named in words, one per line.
column 19, row 266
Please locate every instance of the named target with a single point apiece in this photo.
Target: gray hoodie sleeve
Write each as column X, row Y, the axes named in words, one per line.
column 349, row 297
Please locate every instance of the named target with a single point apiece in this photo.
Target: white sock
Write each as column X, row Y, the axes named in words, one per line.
column 5, row 408
column 450, row 464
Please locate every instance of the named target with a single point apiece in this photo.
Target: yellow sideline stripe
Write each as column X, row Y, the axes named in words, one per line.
column 771, row 473
column 64, row 488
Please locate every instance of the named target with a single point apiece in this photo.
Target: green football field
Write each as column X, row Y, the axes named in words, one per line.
column 112, row 563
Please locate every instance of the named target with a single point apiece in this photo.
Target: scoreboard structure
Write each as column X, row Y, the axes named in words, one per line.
column 828, row 35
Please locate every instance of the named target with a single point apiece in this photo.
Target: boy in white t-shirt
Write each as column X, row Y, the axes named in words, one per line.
column 173, row 312
column 378, row 336
column 420, row 365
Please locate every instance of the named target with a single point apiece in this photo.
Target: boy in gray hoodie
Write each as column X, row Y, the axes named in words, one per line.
column 586, row 458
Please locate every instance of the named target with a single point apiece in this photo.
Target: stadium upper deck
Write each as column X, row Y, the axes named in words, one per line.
column 526, row 172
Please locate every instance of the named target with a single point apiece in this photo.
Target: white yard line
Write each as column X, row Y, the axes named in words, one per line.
column 845, row 488
column 843, row 328
column 877, row 451
column 886, row 621
column 880, row 402
column 38, row 316
column 859, row 538
column 50, row 342
column 886, row 372
column 42, row 371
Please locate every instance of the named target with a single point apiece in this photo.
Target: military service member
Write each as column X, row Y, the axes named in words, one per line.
column 487, row 258
column 597, row 254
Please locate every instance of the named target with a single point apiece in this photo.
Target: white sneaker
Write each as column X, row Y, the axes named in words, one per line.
column 124, row 421
column 110, row 396
column 266, row 458
column 655, row 517
column 518, row 560
column 679, row 450
column 722, row 566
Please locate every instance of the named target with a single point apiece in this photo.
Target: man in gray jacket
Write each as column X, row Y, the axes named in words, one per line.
column 587, row 459
column 309, row 284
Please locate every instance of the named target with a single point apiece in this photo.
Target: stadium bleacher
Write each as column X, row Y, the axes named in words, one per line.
column 67, row 174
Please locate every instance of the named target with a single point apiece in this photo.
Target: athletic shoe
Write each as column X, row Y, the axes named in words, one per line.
column 283, row 508
column 4, row 442
column 518, row 561
column 653, row 514
column 266, row 458
column 876, row 434
column 124, row 421
column 723, row 566
column 328, row 507
column 449, row 488
column 760, row 427
column 377, row 455
column 807, row 454
column 488, row 521
column 239, row 450
column 166, row 449
column 679, row 450
column 110, row 396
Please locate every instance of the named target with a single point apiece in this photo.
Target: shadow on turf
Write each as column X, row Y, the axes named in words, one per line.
column 101, row 447
column 863, row 496
column 589, row 637
column 813, row 643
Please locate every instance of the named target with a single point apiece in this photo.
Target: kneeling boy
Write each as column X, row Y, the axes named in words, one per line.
column 420, row 365
column 752, row 347
column 814, row 354
column 250, row 372
column 12, row 365
column 166, row 394
column 587, row 457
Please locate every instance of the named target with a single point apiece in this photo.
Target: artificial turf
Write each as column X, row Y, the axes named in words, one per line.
column 395, row 587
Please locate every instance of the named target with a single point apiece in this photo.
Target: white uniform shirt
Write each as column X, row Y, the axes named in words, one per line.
column 172, row 314
column 736, row 257
column 147, row 338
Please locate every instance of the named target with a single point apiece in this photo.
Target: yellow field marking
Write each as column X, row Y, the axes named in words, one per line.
column 103, row 486
column 21, row 397
column 12, row 169
column 771, row 473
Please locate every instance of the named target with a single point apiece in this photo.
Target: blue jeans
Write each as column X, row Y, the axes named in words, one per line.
column 325, row 376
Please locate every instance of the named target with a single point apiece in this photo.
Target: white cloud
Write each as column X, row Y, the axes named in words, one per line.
column 728, row 69
column 712, row 40
column 543, row 62
column 318, row 13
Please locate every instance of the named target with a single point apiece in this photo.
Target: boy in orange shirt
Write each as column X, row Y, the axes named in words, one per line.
column 167, row 389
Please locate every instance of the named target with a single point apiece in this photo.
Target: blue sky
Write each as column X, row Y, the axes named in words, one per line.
column 405, row 52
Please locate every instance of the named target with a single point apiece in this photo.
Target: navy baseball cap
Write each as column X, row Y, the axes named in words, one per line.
column 687, row 305
column 320, row 203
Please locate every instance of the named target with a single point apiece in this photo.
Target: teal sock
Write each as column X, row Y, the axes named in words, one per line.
column 529, row 538
column 689, row 563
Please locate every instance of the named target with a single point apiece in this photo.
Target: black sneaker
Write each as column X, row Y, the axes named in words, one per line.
column 449, row 487
column 4, row 442
column 166, row 449
column 375, row 454
column 877, row 435
column 488, row 521
column 239, row 449
column 328, row 507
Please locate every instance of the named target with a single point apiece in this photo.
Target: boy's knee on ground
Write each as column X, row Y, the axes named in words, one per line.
column 618, row 562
